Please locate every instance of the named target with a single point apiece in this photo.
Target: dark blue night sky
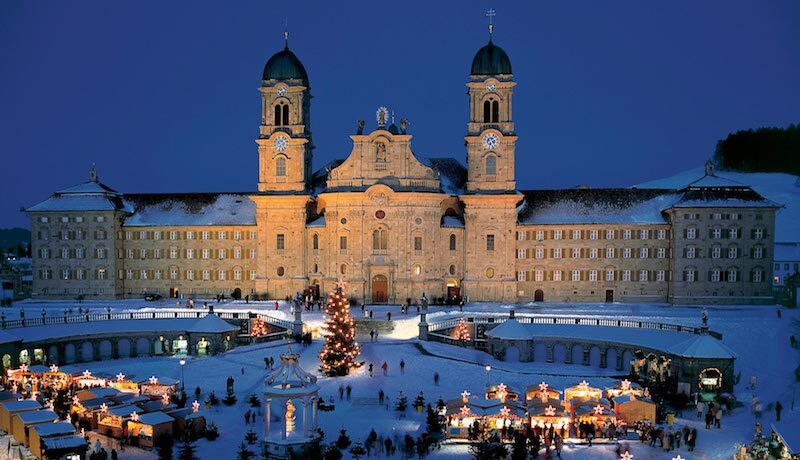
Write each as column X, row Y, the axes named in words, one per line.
column 163, row 97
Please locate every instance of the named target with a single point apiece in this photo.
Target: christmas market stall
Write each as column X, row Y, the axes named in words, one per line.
column 9, row 408
column 189, row 421
column 581, row 393
column 493, row 414
column 545, row 411
column 9, row 396
column 56, row 441
column 632, row 409
column 112, row 421
column 123, row 383
column 541, row 390
column 94, row 393
column 502, row 392
column 86, row 411
column 158, row 386
column 625, row 387
column 599, row 412
column 145, row 429
column 55, row 378
column 22, row 421
column 86, row 379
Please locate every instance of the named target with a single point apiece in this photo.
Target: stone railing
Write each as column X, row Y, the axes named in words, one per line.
column 576, row 320
column 45, row 320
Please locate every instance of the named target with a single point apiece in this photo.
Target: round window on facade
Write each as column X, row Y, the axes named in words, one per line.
column 417, row 269
column 344, row 221
column 452, row 269
column 343, row 269
column 418, row 221
column 380, row 214
column 281, row 271
column 489, row 272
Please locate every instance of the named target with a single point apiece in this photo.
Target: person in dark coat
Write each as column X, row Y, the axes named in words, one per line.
column 778, row 409
column 691, row 441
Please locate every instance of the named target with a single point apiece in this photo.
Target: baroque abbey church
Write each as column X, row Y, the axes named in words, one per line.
column 394, row 224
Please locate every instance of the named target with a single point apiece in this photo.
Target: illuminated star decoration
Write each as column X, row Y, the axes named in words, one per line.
column 598, row 409
column 465, row 395
column 195, row 406
column 501, row 391
column 584, row 385
column 75, row 400
column 134, row 416
column 104, row 407
column 87, row 373
column 120, row 377
column 550, row 411
column 53, row 368
column 165, row 398
column 626, row 384
column 678, row 458
column 464, row 410
column 543, row 387
column 626, row 456
column 23, row 367
column 504, row 412
column 153, row 380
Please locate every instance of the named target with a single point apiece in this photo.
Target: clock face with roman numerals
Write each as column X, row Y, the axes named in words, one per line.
column 491, row 141
column 281, row 91
column 280, row 143
column 491, row 87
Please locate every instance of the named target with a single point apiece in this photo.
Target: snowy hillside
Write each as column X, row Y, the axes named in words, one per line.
column 783, row 189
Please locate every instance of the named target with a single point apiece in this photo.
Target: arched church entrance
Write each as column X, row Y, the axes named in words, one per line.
column 380, row 289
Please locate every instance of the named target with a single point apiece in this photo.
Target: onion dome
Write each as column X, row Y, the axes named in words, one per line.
column 290, row 377
column 284, row 65
column 491, row 60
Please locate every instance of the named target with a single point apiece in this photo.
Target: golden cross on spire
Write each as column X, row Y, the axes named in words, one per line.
column 491, row 14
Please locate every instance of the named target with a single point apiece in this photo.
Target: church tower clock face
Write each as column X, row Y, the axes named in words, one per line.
column 280, row 143
column 490, row 141
column 281, row 91
column 491, row 87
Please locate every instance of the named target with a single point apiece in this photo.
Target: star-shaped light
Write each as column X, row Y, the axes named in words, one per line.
column 626, row 384
column 550, row 411
column 165, row 399
column 502, row 387
column 75, row 400
column 104, row 407
column 134, row 416
column 153, row 380
column 543, row 387
column 598, row 409
column 195, row 406
column 465, row 395
column 23, row 367
column 464, row 410
column 120, row 377
column 584, row 385
column 87, row 373
column 54, row 368
column 544, row 395
column 505, row 412
column 678, row 458
column 626, row 456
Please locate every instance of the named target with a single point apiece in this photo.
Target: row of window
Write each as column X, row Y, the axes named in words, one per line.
column 175, row 273
column 591, row 253
column 592, row 275
column 68, row 219
column 733, row 233
column 73, row 253
column 71, row 235
column 380, row 242
column 716, row 252
column 719, row 216
column 185, row 253
column 730, row 275
column 596, row 234
column 235, row 235
column 67, row 273
column 795, row 267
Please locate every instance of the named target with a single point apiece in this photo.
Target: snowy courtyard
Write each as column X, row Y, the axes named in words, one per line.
column 757, row 335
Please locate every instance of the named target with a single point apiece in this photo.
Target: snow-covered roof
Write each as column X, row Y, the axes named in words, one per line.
column 25, row 404
column 53, row 429
column 80, row 202
column 155, row 418
column 289, row 377
column 191, row 209
column 9, row 396
column 452, row 222
column 595, row 206
column 625, row 399
column 452, row 174
column 96, row 393
column 510, row 330
column 89, row 187
column 37, row 416
column 212, row 324
column 64, row 442
column 55, row 331
column 702, row 346
column 787, row 252
column 318, row 222
column 124, row 411
column 167, row 381
column 712, row 180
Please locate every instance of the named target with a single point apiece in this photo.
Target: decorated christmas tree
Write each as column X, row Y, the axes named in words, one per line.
column 462, row 331
column 259, row 328
column 340, row 350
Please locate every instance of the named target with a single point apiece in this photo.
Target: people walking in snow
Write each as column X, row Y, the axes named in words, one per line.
column 372, row 335
column 385, row 368
column 718, row 417
column 349, row 391
column 381, row 396
column 402, row 367
column 436, row 378
column 701, row 407
column 370, row 369
column 778, row 409
column 276, row 305
column 341, row 392
column 753, row 382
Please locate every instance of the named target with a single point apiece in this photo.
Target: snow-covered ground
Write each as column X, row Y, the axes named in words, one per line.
column 755, row 333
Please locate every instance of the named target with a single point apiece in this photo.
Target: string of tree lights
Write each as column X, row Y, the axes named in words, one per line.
column 340, row 350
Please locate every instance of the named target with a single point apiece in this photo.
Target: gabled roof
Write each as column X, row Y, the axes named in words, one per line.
column 510, row 329
column 53, row 429
column 211, row 324
column 167, row 209
column 702, row 346
column 155, row 418
column 37, row 416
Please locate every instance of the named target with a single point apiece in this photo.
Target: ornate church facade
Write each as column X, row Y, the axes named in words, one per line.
column 395, row 225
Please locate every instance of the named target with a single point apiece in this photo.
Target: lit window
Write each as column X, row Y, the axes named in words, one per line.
column 539, row 253
column 556, row 253
column 576, row 253
column 417, row 269
column 592, row 275
column 576, row 275
column 576, row 234
column 609, row 275
column 609, row 253
column 538, row 275
column 609, row 234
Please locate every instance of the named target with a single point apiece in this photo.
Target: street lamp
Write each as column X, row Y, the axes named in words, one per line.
column 488, row 369
column 183, row 382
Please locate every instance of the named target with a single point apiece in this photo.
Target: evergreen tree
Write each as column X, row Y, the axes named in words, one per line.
column 433, row 422
column 244, row 453
column 357, row 451
column 251, row 436
column 254, row 401
column 344, row 441
column 488, row 448
column 340, row 350
column 187, row 449
column 462, row 331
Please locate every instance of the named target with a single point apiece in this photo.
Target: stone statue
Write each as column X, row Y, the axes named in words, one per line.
column 360, row 126
column 404, row 125
column 380, row 152
column 289, row 415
